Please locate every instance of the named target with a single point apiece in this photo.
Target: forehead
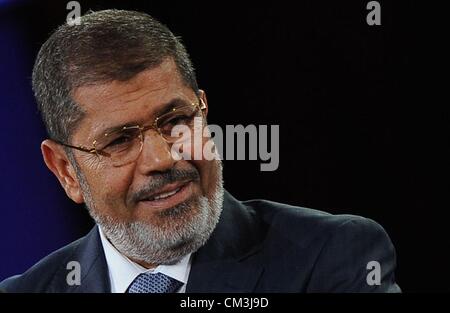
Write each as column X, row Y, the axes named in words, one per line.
column 117, row 103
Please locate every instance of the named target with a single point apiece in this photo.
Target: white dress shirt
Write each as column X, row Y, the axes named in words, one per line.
column 122, row 271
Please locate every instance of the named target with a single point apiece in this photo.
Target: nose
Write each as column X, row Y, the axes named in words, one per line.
column 155, row 155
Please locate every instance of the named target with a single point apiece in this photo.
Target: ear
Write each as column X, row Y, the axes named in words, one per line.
column 56, row 160
column 202, row 96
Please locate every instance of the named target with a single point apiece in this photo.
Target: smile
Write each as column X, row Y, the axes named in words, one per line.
column 166, row 195
column 170, row 196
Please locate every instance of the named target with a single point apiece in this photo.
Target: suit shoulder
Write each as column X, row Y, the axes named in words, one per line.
column 303, row 225
column 38, row 277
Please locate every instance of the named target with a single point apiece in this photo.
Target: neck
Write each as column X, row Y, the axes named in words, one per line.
column 144, row 264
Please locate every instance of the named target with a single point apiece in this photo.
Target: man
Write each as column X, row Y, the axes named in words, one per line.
column 111, row 92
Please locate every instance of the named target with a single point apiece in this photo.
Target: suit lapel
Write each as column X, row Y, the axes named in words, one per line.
column 93, row 267
column 231, row 260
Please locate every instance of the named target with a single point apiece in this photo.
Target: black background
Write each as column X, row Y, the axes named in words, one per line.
column 362, row 129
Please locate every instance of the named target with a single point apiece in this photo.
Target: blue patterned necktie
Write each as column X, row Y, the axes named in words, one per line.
column 154, row 283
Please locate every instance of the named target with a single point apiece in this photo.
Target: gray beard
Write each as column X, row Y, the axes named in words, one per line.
column 157, row 245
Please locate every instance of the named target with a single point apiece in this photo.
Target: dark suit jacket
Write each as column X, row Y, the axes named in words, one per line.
column 258, row 246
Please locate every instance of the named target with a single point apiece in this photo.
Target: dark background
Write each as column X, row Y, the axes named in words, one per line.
column 362, row 128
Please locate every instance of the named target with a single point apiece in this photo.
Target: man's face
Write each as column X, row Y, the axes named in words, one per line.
column 174, row 200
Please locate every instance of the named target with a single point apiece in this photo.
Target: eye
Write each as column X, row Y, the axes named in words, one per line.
column 166, row 124
column 119, row 141
column 177, row 120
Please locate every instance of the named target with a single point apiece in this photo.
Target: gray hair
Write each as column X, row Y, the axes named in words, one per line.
column 108, row 45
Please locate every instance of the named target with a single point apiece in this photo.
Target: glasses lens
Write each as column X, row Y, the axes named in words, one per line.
column 181, row 116
column 122, row 146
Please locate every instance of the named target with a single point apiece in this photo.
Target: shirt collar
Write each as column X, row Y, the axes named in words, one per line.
column 122, row 270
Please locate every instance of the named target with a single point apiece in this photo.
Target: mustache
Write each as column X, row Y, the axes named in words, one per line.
column 160, row 180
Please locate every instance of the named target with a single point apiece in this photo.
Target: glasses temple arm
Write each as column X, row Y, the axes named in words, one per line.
column 92, row 150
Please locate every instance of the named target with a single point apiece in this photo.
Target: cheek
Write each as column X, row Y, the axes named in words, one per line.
column 208, row 175
column 109, row 188
column 200, row 152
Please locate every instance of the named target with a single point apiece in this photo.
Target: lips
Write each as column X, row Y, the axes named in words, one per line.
column 165, row 194
column 168, row 196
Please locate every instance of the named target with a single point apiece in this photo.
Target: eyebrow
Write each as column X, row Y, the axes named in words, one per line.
column 163, row 109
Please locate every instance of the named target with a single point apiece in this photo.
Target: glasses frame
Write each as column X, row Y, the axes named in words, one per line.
column 142, row 129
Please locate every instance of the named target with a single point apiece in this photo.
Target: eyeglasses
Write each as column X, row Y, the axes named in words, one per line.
column 123, row 146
